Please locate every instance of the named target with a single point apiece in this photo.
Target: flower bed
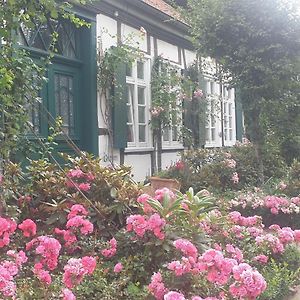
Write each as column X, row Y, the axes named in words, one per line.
column 129, row 246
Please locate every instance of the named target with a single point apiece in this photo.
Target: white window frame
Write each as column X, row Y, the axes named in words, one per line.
column 176, row 144
column 229, row 122
column 213, row 91
column 136, row 83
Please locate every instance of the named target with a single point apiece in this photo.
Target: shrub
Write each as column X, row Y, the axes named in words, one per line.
column 45, row 190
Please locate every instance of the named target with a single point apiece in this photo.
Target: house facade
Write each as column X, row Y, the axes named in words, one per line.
column 72, row 92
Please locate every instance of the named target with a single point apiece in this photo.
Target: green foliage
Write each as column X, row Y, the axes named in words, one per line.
column 280, row 278
column 293, row 180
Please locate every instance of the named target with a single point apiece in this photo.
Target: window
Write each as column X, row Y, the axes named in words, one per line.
column 212, row 127
column 138, row 104
column 171, row 134
column 228, row 116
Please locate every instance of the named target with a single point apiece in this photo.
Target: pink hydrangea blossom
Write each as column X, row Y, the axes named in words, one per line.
column 157, row 287
column 118, row 268
column 77, row 209
column 76, row 269
column 174, row 296
column 249, row 283
column 143, row 199
column 80, row 222
column 112, row 250
column 43, row 275
column 68, row 295
column 186, row 247
column 164, row 192
column 48, row 249
column 263, row 259
column 7, row 228
column 28, row 227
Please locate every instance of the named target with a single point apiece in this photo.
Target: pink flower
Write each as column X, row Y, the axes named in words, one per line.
column 43, row 275
column 76, row 269
column 297, row 235
column 143, row 199
column 174, row 296
column 85, row 226
column 28, row 227
column 164, row 192
column 118, row 268
column 7, row 228
column 89, row 264
column 84, row 186
column 77, row 209
column 157, row 287
column 68, row 295
column 261, row 258
column 186, row 247
column 137, row 223
column 112, row 250
column 230, row 163
column 198, row 93
column 75, row 173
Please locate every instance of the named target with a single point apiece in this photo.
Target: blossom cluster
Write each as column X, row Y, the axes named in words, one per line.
column 275, row 204
column 245, row 282
column 8, row 270
column 110, row 252
column 76, row 269
column 141, row 224
column 79, row 179
column 76, row 222
column 7, row 228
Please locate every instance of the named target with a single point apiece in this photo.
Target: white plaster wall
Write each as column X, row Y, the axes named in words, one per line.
column 141, row 166
column 106, row 32
column 167, row 51
column 134, row 37
column 169, row 159
column 190, row 57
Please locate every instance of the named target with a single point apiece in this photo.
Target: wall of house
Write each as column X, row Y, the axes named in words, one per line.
column 109, row 30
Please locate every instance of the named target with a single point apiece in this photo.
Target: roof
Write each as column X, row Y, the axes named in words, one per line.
column 163, row 7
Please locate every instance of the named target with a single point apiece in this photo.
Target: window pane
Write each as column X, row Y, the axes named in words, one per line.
column 230, row 134
column 142, row 133
column 141, row 114
column 166, row 134
column 140, row 70
column 130, row 135
column 207, row 137
column 213, row 134
column 64, row 101
column 141, row 95
column 129, row 70
column 212, row 87
column 230, row 109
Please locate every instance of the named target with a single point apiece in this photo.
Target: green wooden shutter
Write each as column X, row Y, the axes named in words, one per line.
column 119, row 108
column 239, row 115
column 202, row 112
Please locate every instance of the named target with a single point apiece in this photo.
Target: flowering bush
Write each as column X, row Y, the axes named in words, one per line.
column 45, row 191
column 274, row 209
column 170, row 246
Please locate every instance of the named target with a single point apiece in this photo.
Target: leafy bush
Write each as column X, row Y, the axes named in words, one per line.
column 45, row 190
column 280, row 278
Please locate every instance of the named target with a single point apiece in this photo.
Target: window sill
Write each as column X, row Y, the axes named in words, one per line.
column 138, row 149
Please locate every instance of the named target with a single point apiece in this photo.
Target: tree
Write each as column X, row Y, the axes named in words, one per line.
column 257, row 46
